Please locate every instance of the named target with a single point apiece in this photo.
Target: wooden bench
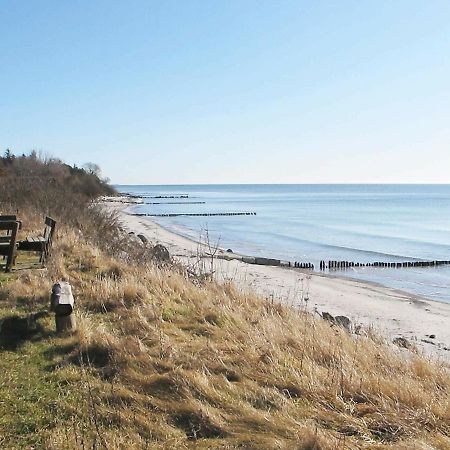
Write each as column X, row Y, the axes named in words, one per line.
column 9, row 218
column 41, row 244
column 8, row 243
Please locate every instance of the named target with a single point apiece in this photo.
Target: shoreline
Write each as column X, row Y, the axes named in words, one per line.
column 392, row 312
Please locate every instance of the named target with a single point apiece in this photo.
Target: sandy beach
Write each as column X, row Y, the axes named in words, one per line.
column 393, row 313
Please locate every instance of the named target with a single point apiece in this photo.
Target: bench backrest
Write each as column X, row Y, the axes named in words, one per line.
column 10, row 217
column 9, row 225
column 49, row 229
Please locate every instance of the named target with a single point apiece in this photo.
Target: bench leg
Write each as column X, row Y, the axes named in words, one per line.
column 9, row 262
column 43, row 256
column 47, row 251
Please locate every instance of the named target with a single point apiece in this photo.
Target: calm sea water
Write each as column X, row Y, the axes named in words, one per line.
column 361, row 223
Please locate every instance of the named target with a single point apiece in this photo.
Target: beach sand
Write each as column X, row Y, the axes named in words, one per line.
column 390, row 312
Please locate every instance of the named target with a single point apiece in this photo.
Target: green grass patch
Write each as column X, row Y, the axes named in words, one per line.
column 33, row 390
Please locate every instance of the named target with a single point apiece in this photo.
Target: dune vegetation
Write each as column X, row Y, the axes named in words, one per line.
column 164, row 359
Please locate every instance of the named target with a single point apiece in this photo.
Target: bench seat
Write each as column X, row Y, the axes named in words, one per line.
column 41, row 244
column 32, row 244
column 4, row 248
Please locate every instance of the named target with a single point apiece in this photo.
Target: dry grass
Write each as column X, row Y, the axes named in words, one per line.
column 163, row 363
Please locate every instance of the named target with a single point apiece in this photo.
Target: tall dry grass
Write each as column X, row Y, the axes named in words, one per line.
column 166, row 363
column 160, row 361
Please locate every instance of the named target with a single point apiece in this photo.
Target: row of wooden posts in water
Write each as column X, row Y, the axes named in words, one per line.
column 300, row 265
column 336, row 265
column 156, row 196
column 333, row 265
column 197, row 214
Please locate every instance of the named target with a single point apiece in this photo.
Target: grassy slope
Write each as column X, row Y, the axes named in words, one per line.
column 161, row 361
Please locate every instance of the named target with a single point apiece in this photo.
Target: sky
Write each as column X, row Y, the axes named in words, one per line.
column 231, row 91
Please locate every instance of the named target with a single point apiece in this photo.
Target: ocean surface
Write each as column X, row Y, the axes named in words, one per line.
column 360, row 223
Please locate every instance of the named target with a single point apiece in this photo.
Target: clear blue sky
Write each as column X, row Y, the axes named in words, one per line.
column 233, row 91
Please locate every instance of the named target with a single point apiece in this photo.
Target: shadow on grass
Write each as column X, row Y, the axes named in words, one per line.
column 60, row 350
column 15, row 330
column 60, row 355
column 97, row 358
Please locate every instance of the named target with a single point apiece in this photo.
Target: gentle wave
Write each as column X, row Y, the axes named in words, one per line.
column 356, row 250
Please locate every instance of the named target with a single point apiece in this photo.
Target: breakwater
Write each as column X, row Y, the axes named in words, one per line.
column 155, row 196
column 339, row 265
column 302, row 265
column 262, row 261
column 173, row 203
column 196, row 214
column 334, row 265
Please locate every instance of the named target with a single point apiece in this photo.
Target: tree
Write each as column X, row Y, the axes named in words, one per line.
column 8, row 156
column 92, row 168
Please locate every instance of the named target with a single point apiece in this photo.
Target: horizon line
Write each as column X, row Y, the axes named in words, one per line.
column 283, row 184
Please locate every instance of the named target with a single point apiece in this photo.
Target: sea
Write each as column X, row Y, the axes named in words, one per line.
column 310, row 223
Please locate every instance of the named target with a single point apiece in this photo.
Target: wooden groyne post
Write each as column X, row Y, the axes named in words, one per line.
column 303, row 265
column 61, row 303
column 335, row 265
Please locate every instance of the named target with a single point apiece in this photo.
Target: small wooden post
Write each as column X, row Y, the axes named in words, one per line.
column 62, row 302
